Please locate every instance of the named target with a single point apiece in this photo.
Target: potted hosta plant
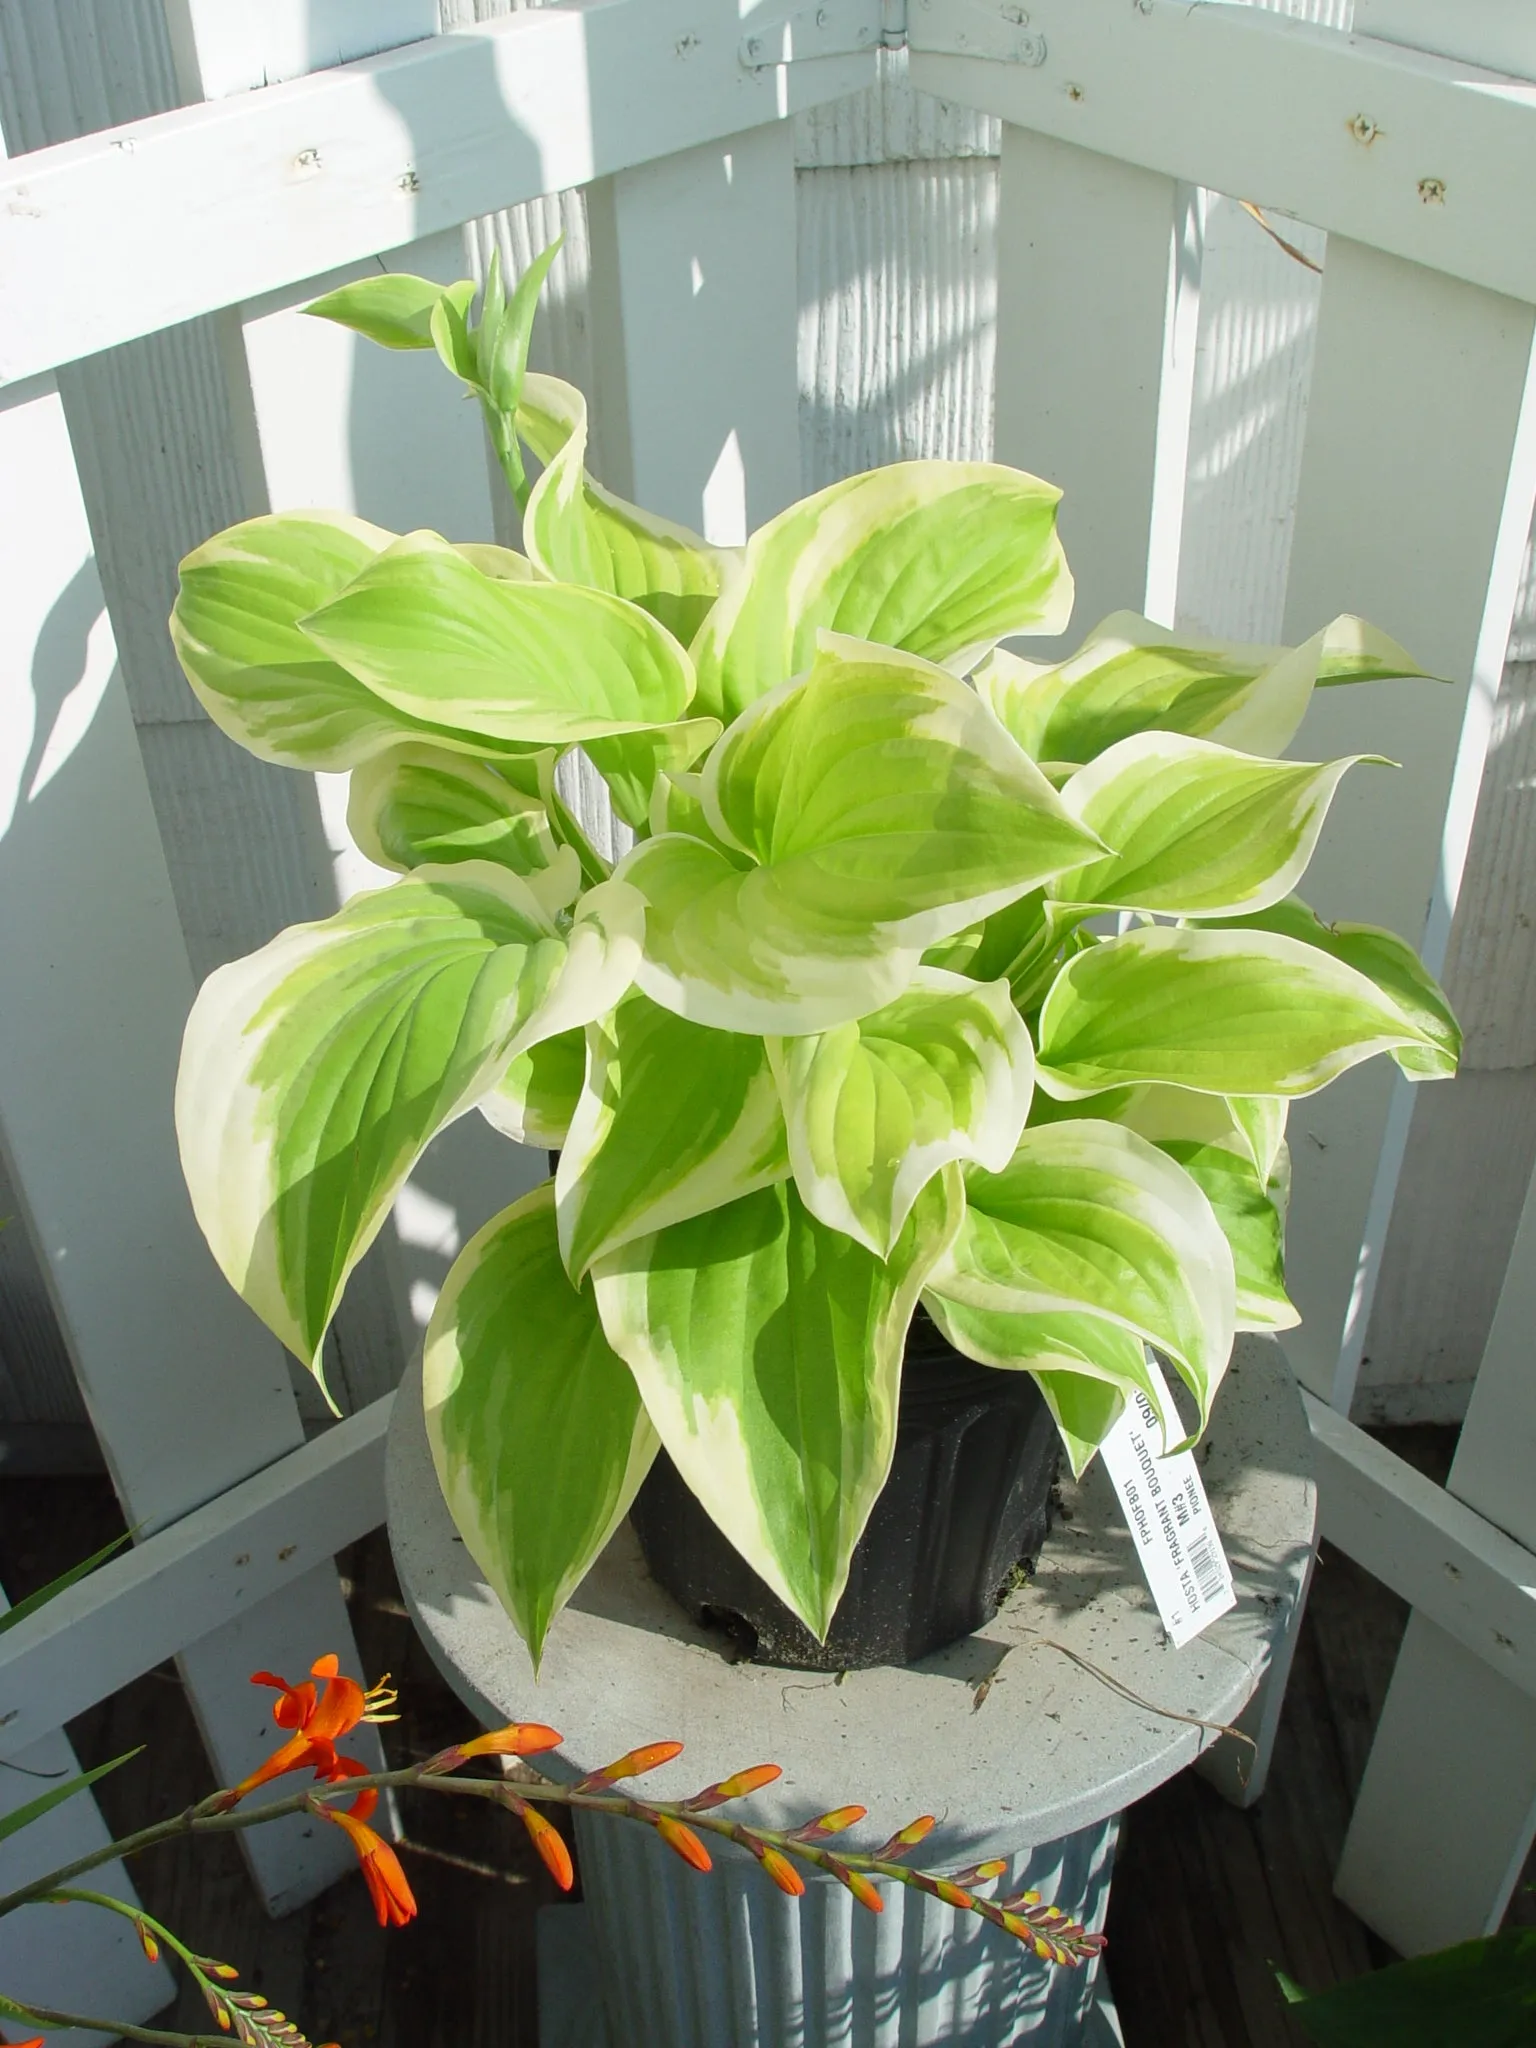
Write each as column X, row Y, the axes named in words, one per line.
column 946, row 1005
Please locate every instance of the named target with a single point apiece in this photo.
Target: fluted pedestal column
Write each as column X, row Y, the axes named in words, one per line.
column 1023, row 1753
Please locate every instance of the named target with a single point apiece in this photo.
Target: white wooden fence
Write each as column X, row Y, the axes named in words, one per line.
column 182, row 178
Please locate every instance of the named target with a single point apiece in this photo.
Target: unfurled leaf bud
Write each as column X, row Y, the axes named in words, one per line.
column 905, row 1838
column 677, row 1835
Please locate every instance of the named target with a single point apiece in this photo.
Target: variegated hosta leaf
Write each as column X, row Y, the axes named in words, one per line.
column 525, row 662
column 394, row 309
column 885, row 809
column 1392, row 964
column 536, row 1428
column 941, row 558
column 1089, row 1217
column 876, row 1108
column 1223, row 1012
column 1130, row 676
column 630, row 762
column 415, row 805
column 1198, row 830
column 1252, row 1217
column 262, row 681
column 1085, row 1366
column 536, row 1097
column 674, row 1120
column 768, row 1351
column 579, row 533
column 677, row 805
column 314, row 1073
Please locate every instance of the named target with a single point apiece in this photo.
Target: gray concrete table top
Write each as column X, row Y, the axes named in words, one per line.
column 1002, row 1735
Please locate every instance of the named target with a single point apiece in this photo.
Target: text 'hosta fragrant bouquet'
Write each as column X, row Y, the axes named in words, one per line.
column 849, row 1029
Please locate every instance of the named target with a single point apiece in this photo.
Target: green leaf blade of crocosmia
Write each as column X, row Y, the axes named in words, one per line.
column 943, row 559
column 1087, row 1216
column 768, row 1350
column 1391, row 963
column 1130, row 676
column 631, row 762
column 1199, row 831
column 314, row 1073
column 536, row 1427
column 513, row 662
column 1085, row 1366
column 536, row 1097
column 674, row 1120
column 579, row 533
column 394, row 309
column 414, row 806
column 876, row 1108
column 1224, row 1012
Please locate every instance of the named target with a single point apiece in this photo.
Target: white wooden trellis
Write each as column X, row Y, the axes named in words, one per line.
column 1415, row 502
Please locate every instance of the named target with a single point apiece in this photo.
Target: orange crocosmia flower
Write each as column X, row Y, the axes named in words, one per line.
column 320, row 1718
column 393, row 1900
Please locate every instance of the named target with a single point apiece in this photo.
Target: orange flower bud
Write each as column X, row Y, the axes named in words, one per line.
column 550, row 1843
column 832, row 1823
column 737, row 1786
column 951, row 1894
column 147, row 1941
column 859, row 1885
column 522, row 1738
column 677, row 1835
column 906, row 1838
column 632, row 1765
column 783, row 1873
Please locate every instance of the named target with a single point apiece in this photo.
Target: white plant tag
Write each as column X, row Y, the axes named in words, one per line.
column 1167, row 1513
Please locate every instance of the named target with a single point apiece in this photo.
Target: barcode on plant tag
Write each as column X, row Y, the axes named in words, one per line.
column 1169, row 1518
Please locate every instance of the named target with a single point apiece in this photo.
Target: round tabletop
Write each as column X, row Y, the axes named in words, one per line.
column 1002, row 1735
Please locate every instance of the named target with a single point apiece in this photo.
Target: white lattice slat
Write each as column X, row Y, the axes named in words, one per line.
column 209, row 206
column 1097, row 273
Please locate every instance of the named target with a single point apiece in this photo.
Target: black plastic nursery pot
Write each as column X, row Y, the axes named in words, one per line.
column 967, row 1502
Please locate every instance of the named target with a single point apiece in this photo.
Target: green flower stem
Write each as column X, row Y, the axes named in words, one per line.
column 44, row 2016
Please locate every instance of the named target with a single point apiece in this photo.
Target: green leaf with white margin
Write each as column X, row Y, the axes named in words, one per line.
column 528, row 662
column 943, row 559
column 314, row 1073
column 1198, row 830
column 536, row 1097
column 885, row 810
column 394, row 309
column 1085, row 1366
column 1252, row 1218
column 1130, row 676
column 262, row 681
column 415, row 806
column 768, row 1353
column 1392, row 964
column 630, row 762
column 674, row 1120
column 578, row 532
column 677, row 805
column 1090, row 1217
column 537, row 1431
column 1223, row 1012
column 876, row 1108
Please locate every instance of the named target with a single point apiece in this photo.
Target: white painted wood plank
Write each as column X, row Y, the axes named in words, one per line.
column 69, row 1958
column 164, row 1594
column 209, row 206
column 1416, row 493
column 1473, row 1580
column 1245, row 101
column 1447, row 1809
column 694, row 294
column 1085, row 248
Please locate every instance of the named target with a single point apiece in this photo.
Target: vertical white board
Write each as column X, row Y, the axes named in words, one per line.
column 1098, row 277
column 694, row 298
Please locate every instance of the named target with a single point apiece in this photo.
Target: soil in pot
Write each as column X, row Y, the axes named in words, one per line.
column 966, row 1504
